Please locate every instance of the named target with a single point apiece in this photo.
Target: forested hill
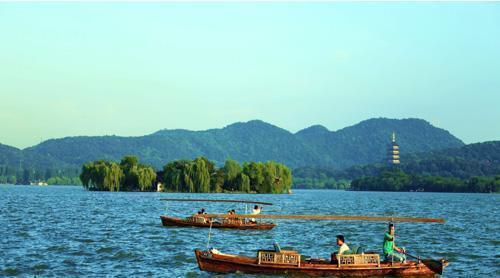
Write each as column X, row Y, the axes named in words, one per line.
column 255, row 140
column 479, row 159
column 16, row 158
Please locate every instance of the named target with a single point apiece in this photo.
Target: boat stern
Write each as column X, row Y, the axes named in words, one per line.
column 436, row 266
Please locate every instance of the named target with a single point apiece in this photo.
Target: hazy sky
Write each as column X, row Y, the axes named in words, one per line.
column 130, row 69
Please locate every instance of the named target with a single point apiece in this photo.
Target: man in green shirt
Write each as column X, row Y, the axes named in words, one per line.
column 390, row 247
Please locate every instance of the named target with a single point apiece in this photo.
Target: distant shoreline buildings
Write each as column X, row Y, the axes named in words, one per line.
column 393, row 151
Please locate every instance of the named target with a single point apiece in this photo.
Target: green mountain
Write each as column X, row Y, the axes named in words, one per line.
column 16, row 158
column 255, row 140
column 367, row 141
column 479, row 159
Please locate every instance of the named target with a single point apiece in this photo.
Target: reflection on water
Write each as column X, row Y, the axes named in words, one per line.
column 67, row 231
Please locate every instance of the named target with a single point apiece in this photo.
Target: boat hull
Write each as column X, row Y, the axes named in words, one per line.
column 179, row 222
column 222, row 263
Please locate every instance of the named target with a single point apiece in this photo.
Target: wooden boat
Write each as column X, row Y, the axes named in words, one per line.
column 291, row 263
column 222, row 223
column 285, row 262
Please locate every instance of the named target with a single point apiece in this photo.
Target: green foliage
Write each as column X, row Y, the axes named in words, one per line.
column 318, row 178
column 481, row 159
column 102, row 176
column 129, row 175
column 63, row 181
column 136, row 176
column 200, row 175
column 254, row 171
column 397, row 180
column 231, row 170
column 18, row 175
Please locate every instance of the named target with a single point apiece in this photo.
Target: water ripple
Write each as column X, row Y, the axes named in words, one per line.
column 69, row 232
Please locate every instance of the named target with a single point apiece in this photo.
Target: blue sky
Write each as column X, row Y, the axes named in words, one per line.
column 131, row 69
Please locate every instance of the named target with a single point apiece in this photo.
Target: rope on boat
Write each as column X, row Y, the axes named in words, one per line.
column 209, row 232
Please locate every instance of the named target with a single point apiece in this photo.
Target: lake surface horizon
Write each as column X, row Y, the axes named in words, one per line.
column 68, row 231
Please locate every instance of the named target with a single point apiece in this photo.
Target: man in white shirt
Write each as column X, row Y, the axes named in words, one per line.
column 256, row 210
column 342, row 245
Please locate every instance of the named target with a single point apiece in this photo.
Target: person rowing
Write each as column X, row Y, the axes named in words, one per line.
column 390, row 247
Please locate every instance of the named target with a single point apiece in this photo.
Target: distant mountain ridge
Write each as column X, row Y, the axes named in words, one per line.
column 465, row 162
column 254, row 140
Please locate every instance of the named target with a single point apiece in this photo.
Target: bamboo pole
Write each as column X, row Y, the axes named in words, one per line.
column 328, row 217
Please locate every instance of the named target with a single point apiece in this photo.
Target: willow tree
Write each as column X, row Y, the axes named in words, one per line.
column 130, row 165
column 101, row 175
column 242, row 183
column 254, row 172
column 217, row 181
column 146, row 176
column 177, row 176
column 200, row 175
column 231, row 170
column 172, row 173
column 283, row 180
column 112, row 177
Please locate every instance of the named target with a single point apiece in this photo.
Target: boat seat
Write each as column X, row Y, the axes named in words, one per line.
column 357, row 250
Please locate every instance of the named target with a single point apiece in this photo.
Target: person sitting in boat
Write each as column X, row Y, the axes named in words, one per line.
column 256, row 210
column 343, row 247
column 230, row 220
column 200, row 219
column 390, row 247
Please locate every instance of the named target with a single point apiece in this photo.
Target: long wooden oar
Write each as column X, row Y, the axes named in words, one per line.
column 328, row 217
column 216, row 201
column 412, row 256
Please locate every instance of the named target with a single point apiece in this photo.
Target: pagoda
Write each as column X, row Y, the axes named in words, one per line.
column 393, row 151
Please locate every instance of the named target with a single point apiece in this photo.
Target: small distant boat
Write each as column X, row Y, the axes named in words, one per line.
column 223, row 223
column 40, row 183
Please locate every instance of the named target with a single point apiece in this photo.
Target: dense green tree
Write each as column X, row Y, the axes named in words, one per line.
column 129, row 175
column 242, row 183
column 254, row 171
column 12, row 179
column 397, row 180
column 146, row 178
column 217, row 181
column 136, row 176
column 200, row 176
column 101, row 175
column 231, row 169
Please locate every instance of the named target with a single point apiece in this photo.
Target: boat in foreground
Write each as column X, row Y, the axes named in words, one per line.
column 292, row 263
column 216, row 223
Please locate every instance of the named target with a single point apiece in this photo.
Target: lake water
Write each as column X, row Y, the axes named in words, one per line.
column 67, row 231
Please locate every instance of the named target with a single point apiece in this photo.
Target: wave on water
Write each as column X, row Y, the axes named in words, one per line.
column 70, row 232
